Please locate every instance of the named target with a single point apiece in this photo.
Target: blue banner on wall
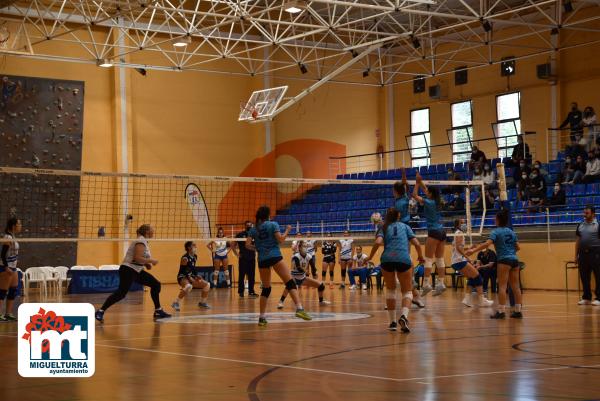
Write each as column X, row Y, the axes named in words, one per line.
column 96, row 281
column 206, row 273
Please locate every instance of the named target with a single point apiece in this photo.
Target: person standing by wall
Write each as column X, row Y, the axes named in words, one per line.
column 247, row 262
column 587, row 255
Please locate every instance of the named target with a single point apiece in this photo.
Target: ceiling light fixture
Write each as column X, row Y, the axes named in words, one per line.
column 104, row 63
column 183, row 41
column 293, row 7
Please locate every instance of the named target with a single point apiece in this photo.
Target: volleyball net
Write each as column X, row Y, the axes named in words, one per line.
column 67, row 205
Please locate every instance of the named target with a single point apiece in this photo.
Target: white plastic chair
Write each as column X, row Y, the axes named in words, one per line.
column 60, row 273
column 36, row 275
column 109, row 267
column 83, row 268
column 51, row 279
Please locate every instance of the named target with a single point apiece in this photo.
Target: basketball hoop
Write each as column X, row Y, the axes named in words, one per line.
column 261, row 105
column 248, row 109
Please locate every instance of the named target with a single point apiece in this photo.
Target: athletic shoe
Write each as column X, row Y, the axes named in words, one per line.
column 393, row 326
column 596, row 302
column 100, row 316
column 403, row 322
column 10, row 318
column 484, row 303
column 204, row 305
column 584, row 302
column 342, row 286
column 467, row 300
column 301, row 313
column 160, row 314
column 498, row 315
column 241, row 295
column 175, row 306
column 262, row 322
column 439, row 289
column 419, row 302
column 324, row 302
column 280, row 305
column 364, row 287
column 2, row 319
column 353, row 287
column 516, row 315
column 426, row 289
column 253, row 295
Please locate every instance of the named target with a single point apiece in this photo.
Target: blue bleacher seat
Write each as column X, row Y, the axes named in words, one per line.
column 346, row 176
column 560, row 156
column 353, row 176
column 339, row 176
column 592, row 189
column 579, row 189
column 369, row 175
column 568, row 190
column 376, row 175
column 554, row 168
column 432, row 169
column 459, row 168
column 361, row 176
column 423, row 170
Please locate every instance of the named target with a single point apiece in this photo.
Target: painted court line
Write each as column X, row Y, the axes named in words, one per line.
column 384, row 378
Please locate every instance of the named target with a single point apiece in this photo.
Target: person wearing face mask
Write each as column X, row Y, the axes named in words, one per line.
column 592, row 169
column 580, row 167
column 590, row 121
column 477, row 173
column 521, row 171
column 520, row 151
column 574, row 121
column 538, row 165
column 452, row 176
column 247, row 262
column 559, row 197
column 457, row 204
column 522, row 186
column 477, row 157
column 537, row 183
column 187, row 277
column 489, row 177
column 568, row 171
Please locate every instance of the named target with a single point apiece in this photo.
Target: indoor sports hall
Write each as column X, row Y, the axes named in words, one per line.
column 260, row 200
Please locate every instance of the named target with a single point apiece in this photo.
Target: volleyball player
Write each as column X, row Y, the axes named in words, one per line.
column 9, row 277
column 295, row 242
column 311, row 249
column 132, row 269
column 507, row 245
column 300, row 266
column 345, row 255
column 359, row 267
column 220, row 250
column 461, row 264
column 267, row 238
column 436, row 235
column 401, row 198
column 396, row 263
column 328, row 248
column 187, row 277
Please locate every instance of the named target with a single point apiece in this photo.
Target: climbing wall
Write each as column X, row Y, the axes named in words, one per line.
column 41, row 124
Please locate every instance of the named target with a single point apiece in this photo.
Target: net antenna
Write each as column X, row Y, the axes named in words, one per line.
column 262, row 104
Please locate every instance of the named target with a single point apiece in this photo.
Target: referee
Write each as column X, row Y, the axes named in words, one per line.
column 587, row 255
column 247, row 260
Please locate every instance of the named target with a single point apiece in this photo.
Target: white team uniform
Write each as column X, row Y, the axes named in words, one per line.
column 361, row 260
column 129, row 255
column 12, row 254
column 346, row 249
column 310, row 248
column 300, row 265
column 294, row 246
column 456, row 256
column 220, row 248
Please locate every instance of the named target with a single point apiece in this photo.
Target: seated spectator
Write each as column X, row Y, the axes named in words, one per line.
column 590, row 122
column 559, row 197
column 486, row 264
column 580, row 167
column 489, row 177
column 535, row 199
column 520, row 151
column 538, row 165
column 477, row 158
column 523, row 186
column 457, row 204
column 537, row 183
column 568, row 171
column 477, row 173
column 478, row 203
column 521, row 170
column 574, row 121
column 592, row 169
column 452, row 176
column 578, row 147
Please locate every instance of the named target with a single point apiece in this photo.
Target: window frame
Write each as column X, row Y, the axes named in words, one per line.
column 468, row 127
column 420, row 133
column 506, row 121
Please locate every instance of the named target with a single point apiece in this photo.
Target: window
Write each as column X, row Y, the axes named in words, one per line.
column 419, row 138
column 462, row 131
column 509, row 122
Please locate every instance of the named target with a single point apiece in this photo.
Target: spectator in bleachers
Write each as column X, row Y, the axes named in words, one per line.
column 486, row 263
column 523, row 186
column 580, row 168
column 457, row 204
column 538, row 165
column 537, row 183
column 568, row 171
column 477, row 173
column 478, row 203
column 477, row 158
column 535, row 199
column 489, row 177
column 452, row 176
column 559, row 197
column 592, row 169
column 590, row 121
column 522, row 170
column 520, row 151
column 574, row 121
column 579, row 147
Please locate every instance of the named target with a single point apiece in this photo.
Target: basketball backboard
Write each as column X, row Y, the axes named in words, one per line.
column 262, row 104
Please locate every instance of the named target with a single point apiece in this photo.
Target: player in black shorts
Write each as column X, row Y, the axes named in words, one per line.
column 329, row 249
column 186, row 277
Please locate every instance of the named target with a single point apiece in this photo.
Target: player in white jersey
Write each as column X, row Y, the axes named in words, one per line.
column 311, row 250
column 300, row 266
column 359, row 267
column 295, row 243
column 345, row 255
column 461, row 263
column 136, row 259
column 219, row 250
column 9, row 277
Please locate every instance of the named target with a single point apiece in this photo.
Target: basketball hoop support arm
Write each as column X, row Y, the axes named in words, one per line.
column 325, row 79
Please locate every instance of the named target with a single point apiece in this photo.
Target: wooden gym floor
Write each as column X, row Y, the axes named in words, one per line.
column 453, row 352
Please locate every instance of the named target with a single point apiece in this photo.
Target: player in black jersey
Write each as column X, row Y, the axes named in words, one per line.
column 186, row 277
column 329, row 249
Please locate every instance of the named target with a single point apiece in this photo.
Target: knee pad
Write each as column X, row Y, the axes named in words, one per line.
column 476, row 281
column 2, row 294
column 265, row 292
column 407, row 295
column 321, row 287
column 440, row 263
column 187, row 288
column 12, row 293
column 428, row 263
column 291, row 285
